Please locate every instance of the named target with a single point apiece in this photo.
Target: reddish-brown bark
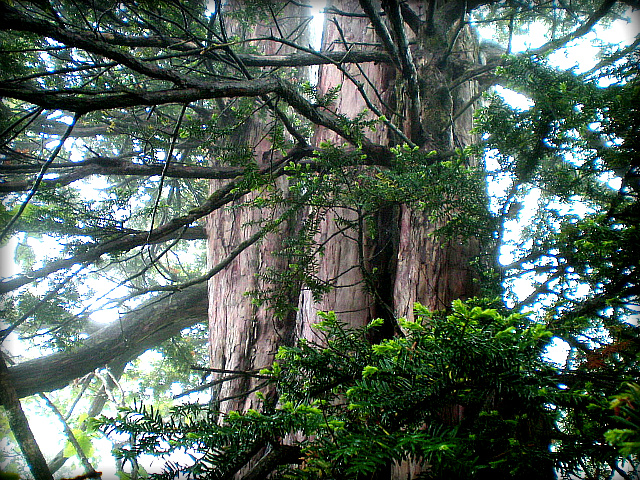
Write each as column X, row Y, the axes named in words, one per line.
column 412, row 265
column 242, row 335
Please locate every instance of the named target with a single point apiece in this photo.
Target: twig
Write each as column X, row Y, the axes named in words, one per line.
column 365, row 97
column 43, row 171
column 167, row 161
column 72, row 438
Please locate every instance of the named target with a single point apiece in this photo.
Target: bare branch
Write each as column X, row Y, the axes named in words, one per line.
column 213, row 271
column 145, row 327
column 357, row 84
column 308, row 59
column 165, row 167
column 381, row 30
column 578, row 32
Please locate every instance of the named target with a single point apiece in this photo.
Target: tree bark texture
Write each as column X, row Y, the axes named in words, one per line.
column 242, row 335
column 418, row 267
column 412, row 265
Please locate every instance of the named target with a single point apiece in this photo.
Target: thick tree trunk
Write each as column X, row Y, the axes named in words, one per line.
column 242, row 335
column 410, row 264
column 345, row 251
column 414, row 266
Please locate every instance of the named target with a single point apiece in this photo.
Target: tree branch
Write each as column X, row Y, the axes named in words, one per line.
column 116, row 367
column 381, row 30
column 16, row 20
column 155, row 321
column 409, row 72
column 218, row 199
column 578, row 32
column 39, row 179
column 20, row 426
column 90, row 471
column 279, row 455
column 84, row 101
column 309, row 59
column 120, row 166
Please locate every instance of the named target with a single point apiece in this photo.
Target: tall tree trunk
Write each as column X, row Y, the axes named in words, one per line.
column 371, row 277
column 411, row 264
column 244, row 336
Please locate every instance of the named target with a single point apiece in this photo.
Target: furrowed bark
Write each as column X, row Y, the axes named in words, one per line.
column 417, row 266
column 244, row 335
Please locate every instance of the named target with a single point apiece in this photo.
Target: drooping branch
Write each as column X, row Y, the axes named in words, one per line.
column 157, row 320
column 218, row 199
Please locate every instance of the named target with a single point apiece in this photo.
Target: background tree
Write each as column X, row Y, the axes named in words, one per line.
column 360, row 194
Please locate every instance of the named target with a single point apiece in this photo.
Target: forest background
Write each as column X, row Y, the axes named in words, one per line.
column 167, row 162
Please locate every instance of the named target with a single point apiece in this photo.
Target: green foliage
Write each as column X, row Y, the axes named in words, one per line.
column 465, row 392
column 461, row 393
column 451, row 193
column 574, row 146
column 84, row 440
column 625, row 406
column 168, row 365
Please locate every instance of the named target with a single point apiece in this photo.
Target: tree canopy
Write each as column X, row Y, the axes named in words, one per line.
column 133, row 133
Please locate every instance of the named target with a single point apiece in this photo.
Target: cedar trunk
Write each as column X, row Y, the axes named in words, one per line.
column 410, row 264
